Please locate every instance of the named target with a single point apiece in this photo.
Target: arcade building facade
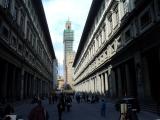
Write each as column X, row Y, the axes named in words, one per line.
column 119, row 51
column 26, row 51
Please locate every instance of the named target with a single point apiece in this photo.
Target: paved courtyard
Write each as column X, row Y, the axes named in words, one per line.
column 82, row 111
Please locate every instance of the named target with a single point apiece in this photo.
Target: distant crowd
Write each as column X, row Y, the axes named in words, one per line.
column 63, row 103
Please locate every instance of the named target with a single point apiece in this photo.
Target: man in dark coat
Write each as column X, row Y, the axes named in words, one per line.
column 38, row 112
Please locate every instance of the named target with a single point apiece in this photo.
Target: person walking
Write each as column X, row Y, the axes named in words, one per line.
column 50, row 99
column 103, row 108
column 9, row 110
column 60, row 109
column 68, row 101
column 38, row 112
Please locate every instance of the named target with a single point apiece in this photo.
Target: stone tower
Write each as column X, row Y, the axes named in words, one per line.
column 68, row 38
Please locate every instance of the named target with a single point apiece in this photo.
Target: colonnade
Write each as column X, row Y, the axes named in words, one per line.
column 20, row 83
column 95, row 84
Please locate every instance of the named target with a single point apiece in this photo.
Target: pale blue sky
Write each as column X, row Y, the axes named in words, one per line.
column 57, row 13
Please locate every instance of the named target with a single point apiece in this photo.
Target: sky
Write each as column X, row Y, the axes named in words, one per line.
column 57, row 13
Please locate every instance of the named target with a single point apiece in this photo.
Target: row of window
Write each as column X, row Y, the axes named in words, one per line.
column 100, row 36
column 17, row 45
column 25, row 25
column 139, row 24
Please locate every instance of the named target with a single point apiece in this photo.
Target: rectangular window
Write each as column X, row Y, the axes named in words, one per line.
column 106, row 54
column 128, row 35
column 5, row 32
column 22, row 20
column 15, row 13
column 119, row 43
column 125, row 6
column 100, row 38
column 97, row 42
column 31, row 37
column 145, row 19
column 27, row 31
column 20, row 47
column 110, row 24
column 117, row 16
column 112, row 48
column 33, row 40
column 13, row 41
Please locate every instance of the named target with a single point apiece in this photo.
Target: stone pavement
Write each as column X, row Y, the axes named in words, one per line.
column 82, row 111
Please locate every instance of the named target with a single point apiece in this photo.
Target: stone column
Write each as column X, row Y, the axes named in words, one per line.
column 92, row 83
column 84, row 86
column 18, row 82
column 102, row 83
column 4, row 92
column 112, row 81
column 119, row 82
column 139, row 79
column 13, row 84
column 128, row 80
column 38, row 86
column 88, row 85
column 22, row 84
column 95, row 80
column 29, row 84
column 96, row 83
column 26, row 85
column 42, row 87
column 32, row 81
column 106, row 81
column 34, row 85
column 99, row 83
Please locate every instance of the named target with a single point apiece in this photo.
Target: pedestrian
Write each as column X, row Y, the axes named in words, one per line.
column 34, row 100
column 78, row 98
column 50, row 99
column 53, row 98
column 60, row 109
column 38, row 112
column 68, row 101
column 8, row 110
column 56, row 97
column 103, row 108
